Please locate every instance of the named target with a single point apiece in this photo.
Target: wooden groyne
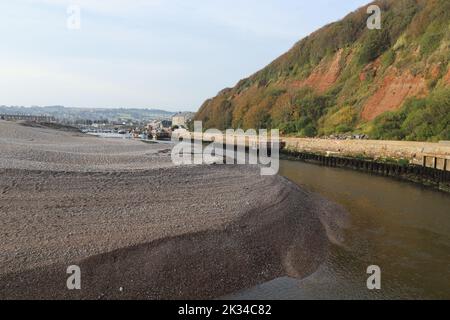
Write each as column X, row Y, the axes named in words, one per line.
column 437, row 162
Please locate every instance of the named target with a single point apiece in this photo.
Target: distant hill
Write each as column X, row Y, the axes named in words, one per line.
column 93, row 114
column 392, row 83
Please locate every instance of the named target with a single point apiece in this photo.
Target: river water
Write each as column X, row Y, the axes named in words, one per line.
column 401, row 227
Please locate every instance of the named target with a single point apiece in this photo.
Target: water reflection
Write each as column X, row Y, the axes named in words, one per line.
column 401, row 227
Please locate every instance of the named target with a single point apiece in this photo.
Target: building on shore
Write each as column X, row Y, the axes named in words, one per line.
column 159, row 129
column 182, row 119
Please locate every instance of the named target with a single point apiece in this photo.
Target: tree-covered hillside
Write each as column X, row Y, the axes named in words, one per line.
column 392, row 83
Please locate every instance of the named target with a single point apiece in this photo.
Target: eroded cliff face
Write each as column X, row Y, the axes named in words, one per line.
column 447, row 77
column 345, row 78
column 324, row 75
column 392, row 92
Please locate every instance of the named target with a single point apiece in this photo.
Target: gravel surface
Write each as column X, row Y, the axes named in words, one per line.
column 140, row 227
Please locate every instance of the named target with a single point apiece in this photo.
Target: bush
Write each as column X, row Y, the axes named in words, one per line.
column 374, row 45
column 432, row 38
column 340, row 121
column 388, row 58
column 309, row 131
column 276, row 92
column 426, row 119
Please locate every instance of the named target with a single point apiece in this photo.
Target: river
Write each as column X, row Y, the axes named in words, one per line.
column 401, row 227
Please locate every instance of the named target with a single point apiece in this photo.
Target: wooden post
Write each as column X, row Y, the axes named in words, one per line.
column 435, row 162
column 424, row 161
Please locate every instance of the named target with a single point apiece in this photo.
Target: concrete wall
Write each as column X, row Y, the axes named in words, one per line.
column 375, row 149
column 413, row 151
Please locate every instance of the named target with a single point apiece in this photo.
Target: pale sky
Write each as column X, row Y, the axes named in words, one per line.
column 168, row 54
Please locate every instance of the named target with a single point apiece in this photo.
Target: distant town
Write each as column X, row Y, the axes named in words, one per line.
column 128, row 123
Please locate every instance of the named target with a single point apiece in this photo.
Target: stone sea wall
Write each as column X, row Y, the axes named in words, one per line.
column 414, row 152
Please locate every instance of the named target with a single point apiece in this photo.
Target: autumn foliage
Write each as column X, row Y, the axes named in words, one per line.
column 344, row 78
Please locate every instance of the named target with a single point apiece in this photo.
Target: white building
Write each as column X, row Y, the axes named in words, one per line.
column 181, row 119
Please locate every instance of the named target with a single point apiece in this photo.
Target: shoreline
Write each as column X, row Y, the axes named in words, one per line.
column 289, row 237
column 432, row 178
column 424, row 163
column 163, row 232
